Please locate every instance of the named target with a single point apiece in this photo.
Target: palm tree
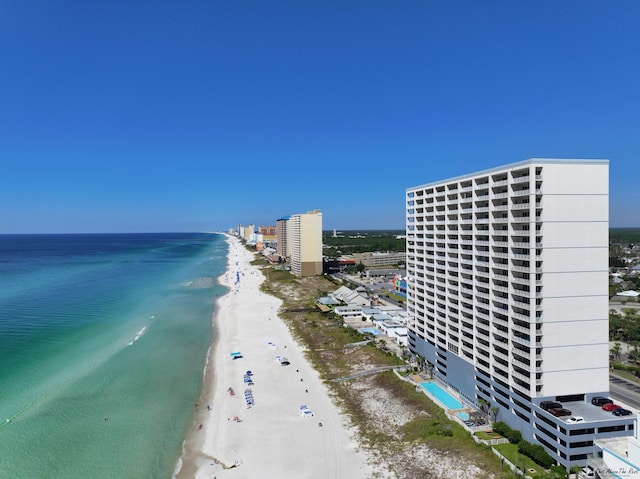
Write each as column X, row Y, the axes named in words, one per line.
column 494, row 413
column 616, row 350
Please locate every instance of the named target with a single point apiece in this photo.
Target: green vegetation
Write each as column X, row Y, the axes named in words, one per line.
column 624, row 327
column 488, row 435
column 349, row 242
column 514, row 456
column 534, row 452
column 513, row 435
column 621, row 239
column 624, row 236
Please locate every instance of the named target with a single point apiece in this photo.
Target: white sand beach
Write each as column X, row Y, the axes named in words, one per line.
column 272, row 437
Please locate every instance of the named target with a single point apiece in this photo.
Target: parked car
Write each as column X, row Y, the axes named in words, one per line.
column 586, row 473
column 575, row 419
column 558, row 412
column 547, row 405
column 622, row 412
column 600, row 401
column 610, row 407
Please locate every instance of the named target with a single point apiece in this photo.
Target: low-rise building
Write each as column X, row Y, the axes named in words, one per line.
column 374, row 259
column 350, row 311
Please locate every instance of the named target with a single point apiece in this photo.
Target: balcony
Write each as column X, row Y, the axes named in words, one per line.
column 467, row 349
column 523, row 192
column 519, row 340
column 522, row 377
column 524, row 269
column 524, row 281
column 521, row 353
column 502, row 273
column 521, row 316
column 498, row 354
column 480, row 294
column 522, row 329
column 521, row 179
column 523, row 389
column 500, row 322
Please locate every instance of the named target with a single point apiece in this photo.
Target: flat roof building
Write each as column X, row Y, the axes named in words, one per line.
column 507, row 293
column 304, row 243
column 282, row 237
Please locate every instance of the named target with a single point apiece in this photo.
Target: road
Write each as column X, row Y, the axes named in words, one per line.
column 625, row 391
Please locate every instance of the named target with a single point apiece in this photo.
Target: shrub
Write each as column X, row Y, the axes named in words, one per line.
column 501, row 428
column 513, row 435
column 536, row 453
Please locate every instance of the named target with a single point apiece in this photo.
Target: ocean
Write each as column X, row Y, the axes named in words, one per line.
column 103, row 340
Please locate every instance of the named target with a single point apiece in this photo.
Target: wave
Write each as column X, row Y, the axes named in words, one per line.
column 203, row 282
column 138, row 335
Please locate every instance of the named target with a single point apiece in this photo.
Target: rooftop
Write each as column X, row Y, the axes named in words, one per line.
column 617, row 445
column 592, row 413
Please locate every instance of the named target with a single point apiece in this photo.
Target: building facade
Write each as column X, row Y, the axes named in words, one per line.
column 508, row 294
column 375, row 259
column 304, row 243
column 268, row 232
column 282, row 246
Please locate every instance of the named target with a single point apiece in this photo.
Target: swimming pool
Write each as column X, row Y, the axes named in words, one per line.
column 441, row 395
column 463, row 415
column 373, row 331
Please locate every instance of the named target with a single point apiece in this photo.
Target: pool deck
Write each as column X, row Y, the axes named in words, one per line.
column 450, row 401
column 452, row 413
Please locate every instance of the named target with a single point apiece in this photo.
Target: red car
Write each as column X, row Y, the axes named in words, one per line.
column 558, row 412
column 610, row 407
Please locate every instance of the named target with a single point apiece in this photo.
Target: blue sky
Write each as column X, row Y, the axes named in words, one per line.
column 187, row 116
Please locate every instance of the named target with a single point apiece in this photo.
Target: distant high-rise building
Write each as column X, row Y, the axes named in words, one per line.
column 304, row 239
column 268, row 232
column 249, row 232
column 282, row 246
column 508, row 295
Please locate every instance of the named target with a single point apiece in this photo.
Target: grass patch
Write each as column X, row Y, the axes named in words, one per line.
column 488, row 435
column 510, row 451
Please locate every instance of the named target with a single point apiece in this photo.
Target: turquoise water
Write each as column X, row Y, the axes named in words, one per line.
column 373, row 331
column 102, row 344
column 441, row 395
column 463, row 415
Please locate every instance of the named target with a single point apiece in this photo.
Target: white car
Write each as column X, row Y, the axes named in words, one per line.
column 575, row 419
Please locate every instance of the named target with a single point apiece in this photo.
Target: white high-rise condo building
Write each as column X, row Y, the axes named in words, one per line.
column 508, row 301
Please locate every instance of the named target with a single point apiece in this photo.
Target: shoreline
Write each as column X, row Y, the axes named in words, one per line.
column 193, row 445
column 272, row 437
